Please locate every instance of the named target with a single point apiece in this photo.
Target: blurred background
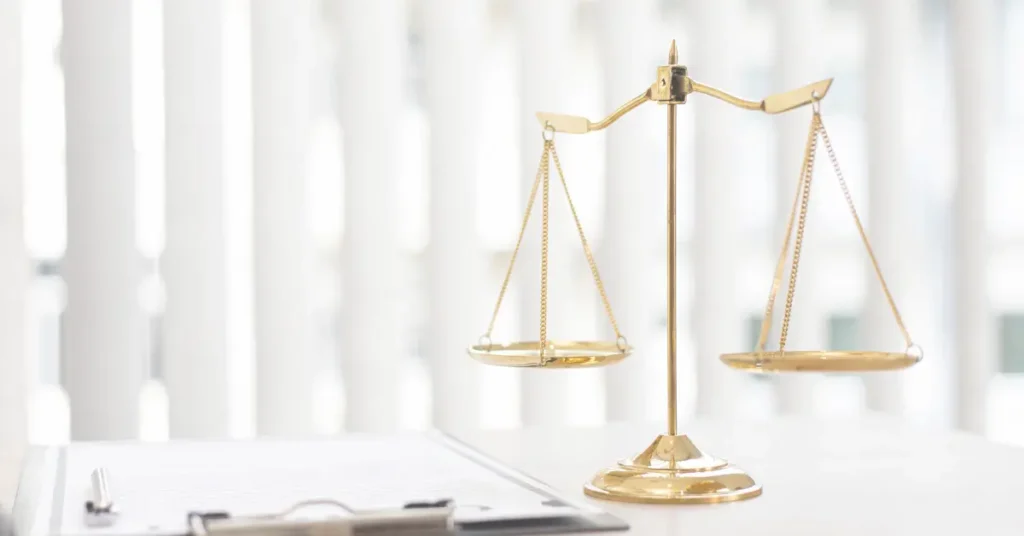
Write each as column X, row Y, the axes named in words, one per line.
column 234, row 218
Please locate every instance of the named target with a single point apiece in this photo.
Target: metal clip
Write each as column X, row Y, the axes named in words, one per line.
column 420, row 519
column 100, row 511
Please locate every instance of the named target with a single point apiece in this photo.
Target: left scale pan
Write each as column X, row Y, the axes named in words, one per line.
column 544, row 352
column 556, row 354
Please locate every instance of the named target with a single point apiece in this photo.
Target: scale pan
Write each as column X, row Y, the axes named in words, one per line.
column 822, row 361
column 559, row 354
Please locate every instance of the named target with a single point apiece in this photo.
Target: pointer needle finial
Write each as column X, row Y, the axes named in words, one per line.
column 673, row 54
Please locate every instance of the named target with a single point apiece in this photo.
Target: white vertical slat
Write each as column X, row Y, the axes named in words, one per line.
column 453, row 41
column 890, row 34
column 717, row 319
column 286, row 369
column 15, row 376
column 799, row 63
column 193, row 263
column 544, row 30
column 103, row 347
column 373, row 83
column 972, row 24
column 634, row 192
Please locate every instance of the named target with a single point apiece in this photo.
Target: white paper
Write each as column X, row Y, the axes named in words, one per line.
column 155, row 485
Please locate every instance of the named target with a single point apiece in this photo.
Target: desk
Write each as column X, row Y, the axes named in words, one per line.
column 10, row 469
column 872, row 476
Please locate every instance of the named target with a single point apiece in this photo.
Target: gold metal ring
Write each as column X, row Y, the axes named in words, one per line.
column 557, row 354
column 621, row 343
column 816, row 102
column 548, row 133
column 915, row 352
column 480, row 342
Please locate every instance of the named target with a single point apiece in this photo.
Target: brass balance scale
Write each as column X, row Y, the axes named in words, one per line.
column 672, row 470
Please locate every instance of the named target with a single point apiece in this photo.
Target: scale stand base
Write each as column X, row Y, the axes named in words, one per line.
column 672, row 471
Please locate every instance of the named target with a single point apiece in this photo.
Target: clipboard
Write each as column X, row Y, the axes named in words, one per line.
column 149, row 489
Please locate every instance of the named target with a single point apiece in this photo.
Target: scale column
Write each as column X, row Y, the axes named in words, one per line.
column 673, row 402
column 670, row 90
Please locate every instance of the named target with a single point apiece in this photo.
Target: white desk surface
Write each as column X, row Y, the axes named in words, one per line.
column 872, row 476
column 10, row 469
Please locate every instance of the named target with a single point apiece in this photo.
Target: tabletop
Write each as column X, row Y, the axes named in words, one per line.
column 875, row 475
column 10, row 469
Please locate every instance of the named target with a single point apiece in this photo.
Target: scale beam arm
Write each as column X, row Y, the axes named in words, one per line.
column 574, row 124
column 773, row 104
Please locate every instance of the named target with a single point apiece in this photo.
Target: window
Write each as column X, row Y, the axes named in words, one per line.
column 843, row 332
column 753, row 330
column 1011, row 343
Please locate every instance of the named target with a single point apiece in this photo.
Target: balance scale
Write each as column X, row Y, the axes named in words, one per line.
column 672, row 469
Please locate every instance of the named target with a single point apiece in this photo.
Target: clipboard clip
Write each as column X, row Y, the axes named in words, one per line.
column 413, row 519
column 100, row 510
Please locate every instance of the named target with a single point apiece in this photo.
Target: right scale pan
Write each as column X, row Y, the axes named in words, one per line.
column 783, row 360
column 822, row 361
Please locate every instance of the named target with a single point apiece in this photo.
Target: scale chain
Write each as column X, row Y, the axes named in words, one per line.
column 860, row 229
column 798, row 245
column 806, row 170
column 519, row 243
column 817, row 128
column 546, row 166
column 542, row 182
column 586, row 250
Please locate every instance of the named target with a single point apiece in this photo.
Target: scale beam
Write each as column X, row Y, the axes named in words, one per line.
column 773, row 104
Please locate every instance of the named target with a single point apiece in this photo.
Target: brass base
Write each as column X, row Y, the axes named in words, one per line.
column 672, row 471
